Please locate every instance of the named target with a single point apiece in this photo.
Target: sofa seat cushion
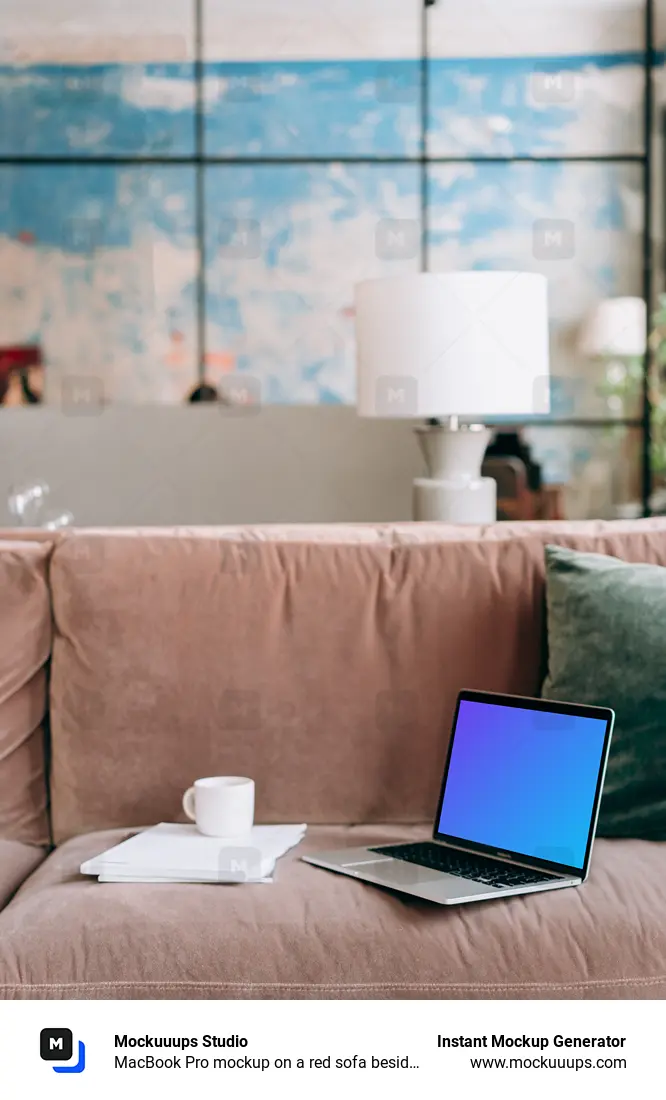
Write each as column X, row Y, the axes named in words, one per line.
column 314, row 934
column 17, row 861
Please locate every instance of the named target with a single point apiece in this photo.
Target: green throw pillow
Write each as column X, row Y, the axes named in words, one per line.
column 607, row 646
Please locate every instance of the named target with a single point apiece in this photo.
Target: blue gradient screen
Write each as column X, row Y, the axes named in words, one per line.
column 523, row 780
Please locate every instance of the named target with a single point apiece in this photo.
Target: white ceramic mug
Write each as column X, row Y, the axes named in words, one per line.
column 221, row 805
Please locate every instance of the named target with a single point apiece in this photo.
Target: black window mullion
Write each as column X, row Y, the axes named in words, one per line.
column 648, row 119
column 200, row 176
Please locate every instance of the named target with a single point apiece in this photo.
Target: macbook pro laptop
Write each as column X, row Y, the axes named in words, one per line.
column 517, row 810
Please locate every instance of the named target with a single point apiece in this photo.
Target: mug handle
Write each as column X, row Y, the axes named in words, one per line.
column 188, row 804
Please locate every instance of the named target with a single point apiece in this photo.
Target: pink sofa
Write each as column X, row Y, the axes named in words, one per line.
column 325, row 663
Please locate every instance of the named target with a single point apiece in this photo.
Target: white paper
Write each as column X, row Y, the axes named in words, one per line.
column 174, row 853
column 111, row 877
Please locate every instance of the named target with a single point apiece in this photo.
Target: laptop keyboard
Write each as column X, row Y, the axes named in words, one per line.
column 464, row 864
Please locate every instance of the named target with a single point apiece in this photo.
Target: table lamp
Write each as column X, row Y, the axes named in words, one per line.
column 470, row 345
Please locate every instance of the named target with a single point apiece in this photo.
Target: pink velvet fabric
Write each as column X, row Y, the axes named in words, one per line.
column 327, row 671
column 314, row 934
column 17, row 862
column 25, row 643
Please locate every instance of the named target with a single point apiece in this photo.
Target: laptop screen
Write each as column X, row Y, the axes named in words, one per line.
column 523, row 781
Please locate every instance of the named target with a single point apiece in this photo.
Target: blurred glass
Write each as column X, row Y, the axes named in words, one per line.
column 55, row 521
column 26, row 501
column 27, row 504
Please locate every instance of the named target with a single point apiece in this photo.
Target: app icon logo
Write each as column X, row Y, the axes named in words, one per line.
column 56, row 1044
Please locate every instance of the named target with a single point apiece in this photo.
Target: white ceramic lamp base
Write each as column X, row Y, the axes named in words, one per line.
column 444, row 502
column 455, row 492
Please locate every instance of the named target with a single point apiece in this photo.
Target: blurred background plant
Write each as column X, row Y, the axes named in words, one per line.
column 622, row 389
column 658, row 382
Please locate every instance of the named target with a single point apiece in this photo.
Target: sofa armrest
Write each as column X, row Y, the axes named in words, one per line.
column 17, row 862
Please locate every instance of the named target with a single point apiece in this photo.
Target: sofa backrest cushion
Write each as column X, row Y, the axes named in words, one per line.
column 327, row 672
column 25, row 645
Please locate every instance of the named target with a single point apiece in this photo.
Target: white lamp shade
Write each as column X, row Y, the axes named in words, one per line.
column 471, row 344
column 616, row 326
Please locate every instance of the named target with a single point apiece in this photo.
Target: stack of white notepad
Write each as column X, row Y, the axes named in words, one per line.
column 178, row 853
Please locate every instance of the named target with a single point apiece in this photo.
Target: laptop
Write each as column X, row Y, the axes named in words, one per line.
column 517, row 810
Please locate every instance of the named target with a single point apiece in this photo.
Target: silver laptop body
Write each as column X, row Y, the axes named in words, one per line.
column 497, row 872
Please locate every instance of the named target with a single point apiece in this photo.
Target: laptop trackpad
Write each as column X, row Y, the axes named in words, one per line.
column 398, row 872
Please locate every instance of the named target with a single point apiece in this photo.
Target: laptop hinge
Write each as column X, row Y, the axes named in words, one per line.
column 504, row 859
